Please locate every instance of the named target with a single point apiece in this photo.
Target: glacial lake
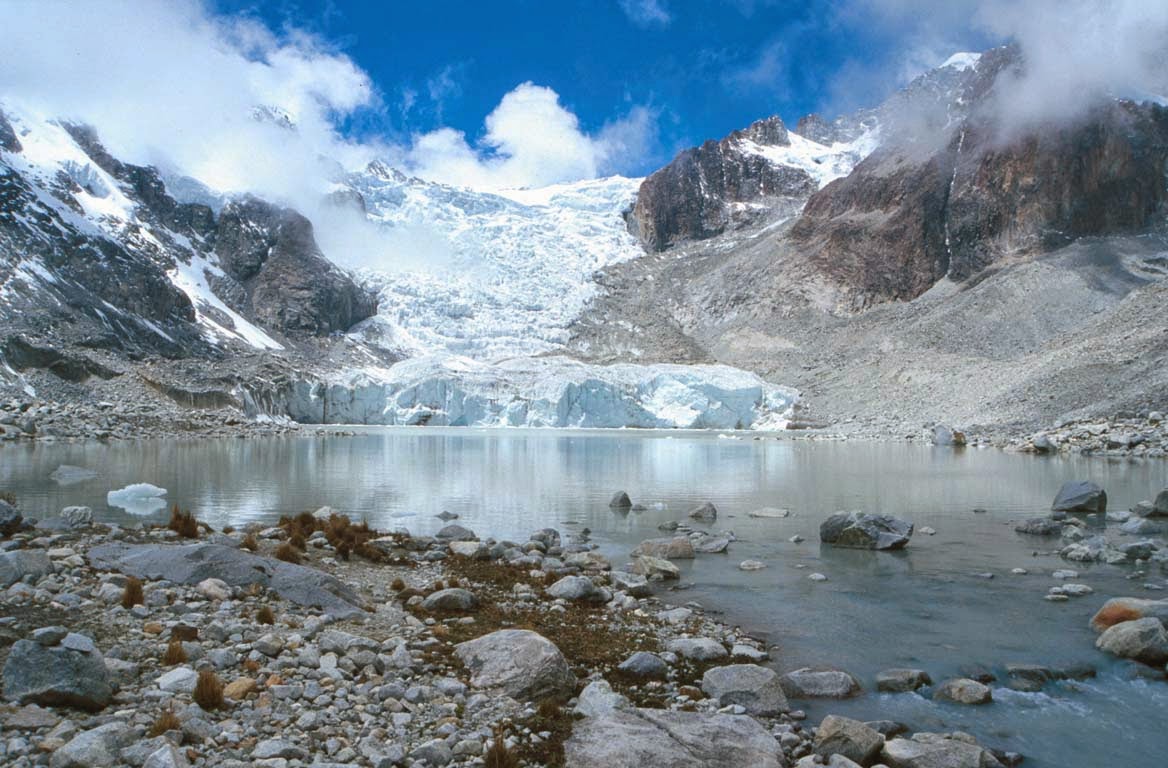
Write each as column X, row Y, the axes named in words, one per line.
column 926, row 607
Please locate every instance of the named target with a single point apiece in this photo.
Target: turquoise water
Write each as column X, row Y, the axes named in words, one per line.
column 922, row 607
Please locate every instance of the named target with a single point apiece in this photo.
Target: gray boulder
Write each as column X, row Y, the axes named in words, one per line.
column 19, row 563
column 902, row 680
column 697, row 648
column 450, row 600
column 863, row 530
column 77, row 517
column 653, row 738
column 519, row 663
column 1081, row 496
column 192, row 563
column 706, row 513
column 931, row 750
column 167, row 756
column 655, row 568
column 962, row 690
column 847, row 737
column 713, row 545
column 578, row 588
column 676, row 548
column 10, row 520
column 1143, row 640
column 620, row 500
column 810, row 683
column 749, row 685
column 1160, row 505
column 96, row 748
column 455, row 532
column 598, row 699
column 71, row 674
column 1121, row 609
column 645, row 665
column 632, row 583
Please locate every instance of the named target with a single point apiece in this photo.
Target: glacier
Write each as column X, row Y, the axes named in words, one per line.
column 553, row 391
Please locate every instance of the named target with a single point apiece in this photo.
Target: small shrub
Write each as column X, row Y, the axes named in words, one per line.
column 184, row 632
column 209, row 690
column 255, row 589
column 251, row 665
column 344, row 551
column 132, row 593
column 438, row 585
column 288, row 553
column 498, row 756
column 175, row 653
column 265, row 615
column 298, row 541
column 249, row 543
column 549, row 709
column 228, row 529
column 183, row 523
column 397, row 585
column 167, row 721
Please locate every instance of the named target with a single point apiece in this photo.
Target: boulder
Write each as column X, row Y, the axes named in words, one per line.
column 706, row 513
column 549, row 537
column 808, row 683
column 476, row 550
column 751, row 565
column 654, row 738
column 656, row 569
column 945, row 435
column 98, row 747
column 697, row 648
column 77, row 517
column 962, row 690
column 214, row 589
column 1160, row 505
column 598, row 699
column 450, row 600
column 1121, row 609
column 620, row 500
column 676, row 548
column 519, row 663
column 713, row 545
column 10, row 520
column 632, row 583
column 847, row 737
column 902, row 680
column 1144, row 640
column 1040, row 526
column 192, row 563
column 755, row 688
column 578, row 588
column 71, row 674
column 645, row 665
column 19, row 563
column 454, row 532
column 863, row 530
column 167, row 756
column 928, row 750
column 1080, row 496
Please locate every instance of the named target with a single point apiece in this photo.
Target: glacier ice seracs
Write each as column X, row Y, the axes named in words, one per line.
column 554, row 391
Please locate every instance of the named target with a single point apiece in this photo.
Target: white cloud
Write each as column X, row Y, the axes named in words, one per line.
column 765, row 73
column 646, row 13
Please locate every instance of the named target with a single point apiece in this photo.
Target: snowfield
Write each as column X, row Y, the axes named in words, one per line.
column 445, row 390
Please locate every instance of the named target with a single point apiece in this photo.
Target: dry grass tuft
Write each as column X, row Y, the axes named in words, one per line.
column 251, row 665
column 265, row 615
column 167, row 721
column 288, row 553
column 498, row 756
column 209, row 690
column 343, row 535
column 298, row 541
column 175, row 653
column 228, row 529
column 397, row 585
column 132, row 593
column 183, row 523
column 249, row 543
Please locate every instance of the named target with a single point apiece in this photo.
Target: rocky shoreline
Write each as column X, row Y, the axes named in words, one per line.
column 318, row 642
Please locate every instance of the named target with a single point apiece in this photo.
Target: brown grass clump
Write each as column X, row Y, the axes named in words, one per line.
column 175, row 653
column 288, row 553
column 343, row 535
column 251, row 665
column 209, row 690
column 183, row 523
column 498, row 756
column 255, row 589
column 397, row 585
column 249, row 543
column 228, row 529
column 298, row 541
column 437, row 586
column 184, row 632
column 132, row 593
column 265, row 615
column 8, row 496
column 167, row 721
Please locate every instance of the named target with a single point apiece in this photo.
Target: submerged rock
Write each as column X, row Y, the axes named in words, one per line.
column 676, row 548
column 962, row 690
column 1040, row 526
column 706, row 513
column 808, row 683
column 519, row 663
column 620, row 500
column 1080, row 496
column 863, row 530
column 902, row 680
column 654, row 738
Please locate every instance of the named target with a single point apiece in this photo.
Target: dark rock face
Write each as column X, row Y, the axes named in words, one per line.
column 861, row 530
column 1080, row 496
column 905, row 219
column 72, row 674
column 692, row 198
column 287, row 283
column 8, row 140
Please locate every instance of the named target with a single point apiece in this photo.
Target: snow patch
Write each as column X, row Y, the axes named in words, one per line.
column 824, row 163
column 962, row 61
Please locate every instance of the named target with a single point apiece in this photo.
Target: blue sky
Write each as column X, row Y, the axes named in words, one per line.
column 699, row 68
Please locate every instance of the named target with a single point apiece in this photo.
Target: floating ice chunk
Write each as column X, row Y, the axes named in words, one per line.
column 67, row 474
column 138, row 498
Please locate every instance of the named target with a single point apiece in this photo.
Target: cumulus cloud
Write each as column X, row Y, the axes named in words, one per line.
column 646, row 13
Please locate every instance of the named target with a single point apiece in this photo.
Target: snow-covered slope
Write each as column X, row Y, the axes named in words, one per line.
column 487, row 275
